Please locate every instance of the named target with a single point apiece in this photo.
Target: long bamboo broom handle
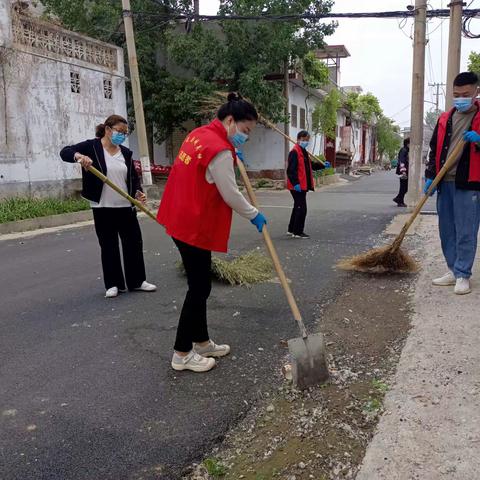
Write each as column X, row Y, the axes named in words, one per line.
column 284, row 135
column 132, row 200
column 273, row 254
column 446, row 167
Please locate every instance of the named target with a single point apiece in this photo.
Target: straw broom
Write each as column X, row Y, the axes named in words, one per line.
column 391, row 258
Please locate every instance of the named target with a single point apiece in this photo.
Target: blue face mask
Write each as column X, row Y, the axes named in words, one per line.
column 463, row 104
column 118, row 138
column 304, row 143
column 238, row 138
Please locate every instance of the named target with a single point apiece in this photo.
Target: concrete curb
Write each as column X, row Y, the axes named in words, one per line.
column 45, row 222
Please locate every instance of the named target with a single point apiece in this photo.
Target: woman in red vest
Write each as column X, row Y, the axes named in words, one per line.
column 299, row 182
column 196, row 210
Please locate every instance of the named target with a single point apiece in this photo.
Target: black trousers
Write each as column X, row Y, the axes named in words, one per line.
column 192, row 326
column 299, row 212
column 403, row 190
column 111, row 223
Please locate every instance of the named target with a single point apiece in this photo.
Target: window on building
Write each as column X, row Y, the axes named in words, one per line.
column 107, row 89
column 294, row 116
column 302, row 119
column 75, row 82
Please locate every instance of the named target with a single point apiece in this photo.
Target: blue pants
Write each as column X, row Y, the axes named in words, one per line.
column 459, row 219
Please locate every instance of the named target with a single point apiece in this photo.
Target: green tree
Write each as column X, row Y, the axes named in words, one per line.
column 350, row 102
column 241, row 55
column 474, row 62
column 368, row 107
column 324, row 116
column 388, row 138
column 315, row 72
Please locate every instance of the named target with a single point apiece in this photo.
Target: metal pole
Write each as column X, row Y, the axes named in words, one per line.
column 418, row 93
column 454, row 48
column 137, row 94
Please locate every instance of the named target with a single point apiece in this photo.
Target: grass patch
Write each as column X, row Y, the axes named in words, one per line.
column 372, row 405
column 380, row 386
column 263, row 183
column 21, row 208
column 214, row 467
column 324, row 172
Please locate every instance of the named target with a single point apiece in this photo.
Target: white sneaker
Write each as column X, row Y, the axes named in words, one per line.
column 445, row 281
column 462, row 286
column 146, row 287
column 212, row 350
column 111, row 292
column 193, row 361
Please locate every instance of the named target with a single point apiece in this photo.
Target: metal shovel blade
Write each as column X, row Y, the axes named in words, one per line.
column 309, row 365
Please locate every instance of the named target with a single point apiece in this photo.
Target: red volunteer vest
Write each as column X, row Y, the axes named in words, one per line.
column 302, row 174
column 474, row 173
column 192, row 210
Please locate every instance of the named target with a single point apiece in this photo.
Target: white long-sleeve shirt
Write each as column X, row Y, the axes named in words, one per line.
column 220, row 172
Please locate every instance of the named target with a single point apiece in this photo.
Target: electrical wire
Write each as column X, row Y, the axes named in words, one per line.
column 466, row 30
column 401, row 111
column 434, row 13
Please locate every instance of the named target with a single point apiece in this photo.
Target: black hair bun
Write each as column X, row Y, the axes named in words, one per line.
column 234, row 97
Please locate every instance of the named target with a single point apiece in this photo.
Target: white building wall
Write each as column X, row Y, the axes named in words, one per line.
column 39, row 114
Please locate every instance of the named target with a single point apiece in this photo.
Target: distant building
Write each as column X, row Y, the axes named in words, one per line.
column 55, row 86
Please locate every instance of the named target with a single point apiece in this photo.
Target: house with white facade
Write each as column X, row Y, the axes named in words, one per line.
column 55, row 87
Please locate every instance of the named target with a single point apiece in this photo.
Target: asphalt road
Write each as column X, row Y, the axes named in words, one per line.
column 86, row 390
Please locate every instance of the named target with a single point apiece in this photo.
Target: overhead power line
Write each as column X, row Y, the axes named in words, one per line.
column 438, row 13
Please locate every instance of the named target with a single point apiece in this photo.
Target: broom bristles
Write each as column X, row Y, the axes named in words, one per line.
column 380, row 260
column 247, row 269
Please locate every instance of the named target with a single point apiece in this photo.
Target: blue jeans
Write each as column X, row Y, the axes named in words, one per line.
column 459, row 219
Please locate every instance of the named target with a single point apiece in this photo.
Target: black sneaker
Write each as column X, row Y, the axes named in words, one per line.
column 302, row 235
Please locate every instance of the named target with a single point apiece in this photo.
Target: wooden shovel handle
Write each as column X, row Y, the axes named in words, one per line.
column 273, row 254
column 132, row 200
column 446, row 167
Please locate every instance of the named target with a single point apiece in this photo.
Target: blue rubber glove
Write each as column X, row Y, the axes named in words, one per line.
column 297, row 188
column 259, row 221
column 471, row 136
column 240, row 155
column 428, row 182
column 327, row 164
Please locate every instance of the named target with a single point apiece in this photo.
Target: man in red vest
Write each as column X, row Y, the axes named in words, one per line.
column 299, row 182
column 458, row 201
column 196, row 210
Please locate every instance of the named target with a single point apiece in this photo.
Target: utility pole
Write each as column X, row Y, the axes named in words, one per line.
column 286, row 94
column 137, row 94
column 418, row 94
column 196, row 7
column 437, row 94
column 454, row 48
